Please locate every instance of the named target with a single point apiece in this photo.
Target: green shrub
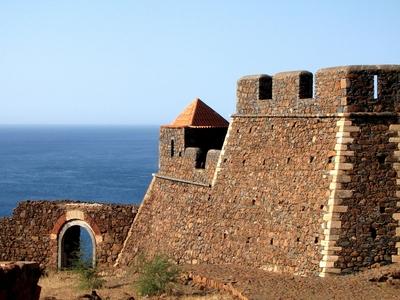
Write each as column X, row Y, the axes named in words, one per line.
column 89, row 278
column 156, row 275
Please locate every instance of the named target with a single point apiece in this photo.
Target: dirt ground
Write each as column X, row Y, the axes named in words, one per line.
column 214, row 282
column 255, row 284
column 65, row 285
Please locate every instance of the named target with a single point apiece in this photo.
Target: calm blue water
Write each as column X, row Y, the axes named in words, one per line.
column 90, row 163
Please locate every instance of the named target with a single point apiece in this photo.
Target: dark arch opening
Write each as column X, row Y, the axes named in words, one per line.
column 77, row 248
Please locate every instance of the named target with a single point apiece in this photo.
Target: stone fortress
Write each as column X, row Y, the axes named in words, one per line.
column 304, row 179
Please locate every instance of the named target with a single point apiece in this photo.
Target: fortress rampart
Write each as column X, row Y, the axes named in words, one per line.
column 306, row 181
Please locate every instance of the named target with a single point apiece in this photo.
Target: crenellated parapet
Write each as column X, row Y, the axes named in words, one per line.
column 336, row 90
column 180, row 160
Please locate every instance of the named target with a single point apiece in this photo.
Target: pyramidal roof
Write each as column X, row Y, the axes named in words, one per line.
column 198, row 114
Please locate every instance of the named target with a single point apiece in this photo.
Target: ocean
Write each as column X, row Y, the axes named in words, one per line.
column 87, row 163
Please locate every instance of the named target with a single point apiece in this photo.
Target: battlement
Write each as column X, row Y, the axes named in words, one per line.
column 190, row 153
column 374, row 88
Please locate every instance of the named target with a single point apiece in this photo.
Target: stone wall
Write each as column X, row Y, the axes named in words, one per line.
column 7, row 238
column 260, row 206
column 337, row 90
column 304, row 185
column 18, row 280
column 368, row 230
column 187, row 163
column 32, row 231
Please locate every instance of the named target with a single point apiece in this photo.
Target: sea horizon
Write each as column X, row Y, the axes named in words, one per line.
column 106, row 163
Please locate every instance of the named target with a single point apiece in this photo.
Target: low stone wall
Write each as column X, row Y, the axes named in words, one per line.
column 7, row 238
column 18, row 280
column 32, row 231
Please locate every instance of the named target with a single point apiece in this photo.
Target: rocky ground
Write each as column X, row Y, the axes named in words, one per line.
column 232, row 282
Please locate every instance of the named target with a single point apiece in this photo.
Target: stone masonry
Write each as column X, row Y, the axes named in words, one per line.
column 304, row 179
column 32, row 233
column 302, row 184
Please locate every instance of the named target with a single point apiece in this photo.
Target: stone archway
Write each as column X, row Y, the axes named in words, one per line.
column 69, row 246
column 67, row 227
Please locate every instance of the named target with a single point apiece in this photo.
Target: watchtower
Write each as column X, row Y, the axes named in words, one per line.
column 186, row 143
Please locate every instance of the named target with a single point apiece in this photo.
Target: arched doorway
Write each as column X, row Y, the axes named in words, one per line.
column 76, row 243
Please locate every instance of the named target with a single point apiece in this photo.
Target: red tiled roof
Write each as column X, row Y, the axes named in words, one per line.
column 199, row 114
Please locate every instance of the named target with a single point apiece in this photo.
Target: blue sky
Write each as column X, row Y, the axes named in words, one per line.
column 142, row 62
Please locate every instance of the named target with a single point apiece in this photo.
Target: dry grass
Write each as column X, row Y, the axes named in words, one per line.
column 65, row 286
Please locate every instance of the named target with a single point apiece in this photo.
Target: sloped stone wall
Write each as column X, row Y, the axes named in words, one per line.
column 269, row 196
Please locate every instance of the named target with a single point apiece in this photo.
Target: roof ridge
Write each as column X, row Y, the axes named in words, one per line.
column 196, row 105
column 199, row 114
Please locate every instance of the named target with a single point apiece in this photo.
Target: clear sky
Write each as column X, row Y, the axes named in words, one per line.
column 142, row 62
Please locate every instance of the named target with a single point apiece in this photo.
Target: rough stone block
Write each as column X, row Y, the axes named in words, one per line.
column 340, row 158
column 328, row 252
column 331, row 237
column 343, row 193
column 396, row 258
column 334, row 224
column 337, row 208
column 334, row 185
column 344, row 140
column 347, row 153
column 332, row 201
column 75, row 215
column 351, row 129
column 340, row 147
column 327, row 243
column 396, row 216
column 341, row 178
column 342, row 134
column 332, row 270
column 343, row 166
column 326, row 264
column 337, row 172
column 398, row 231
column 394, row 127
column 330, row 257
column 343, row 123
column 345, row 83
column 394, row 139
